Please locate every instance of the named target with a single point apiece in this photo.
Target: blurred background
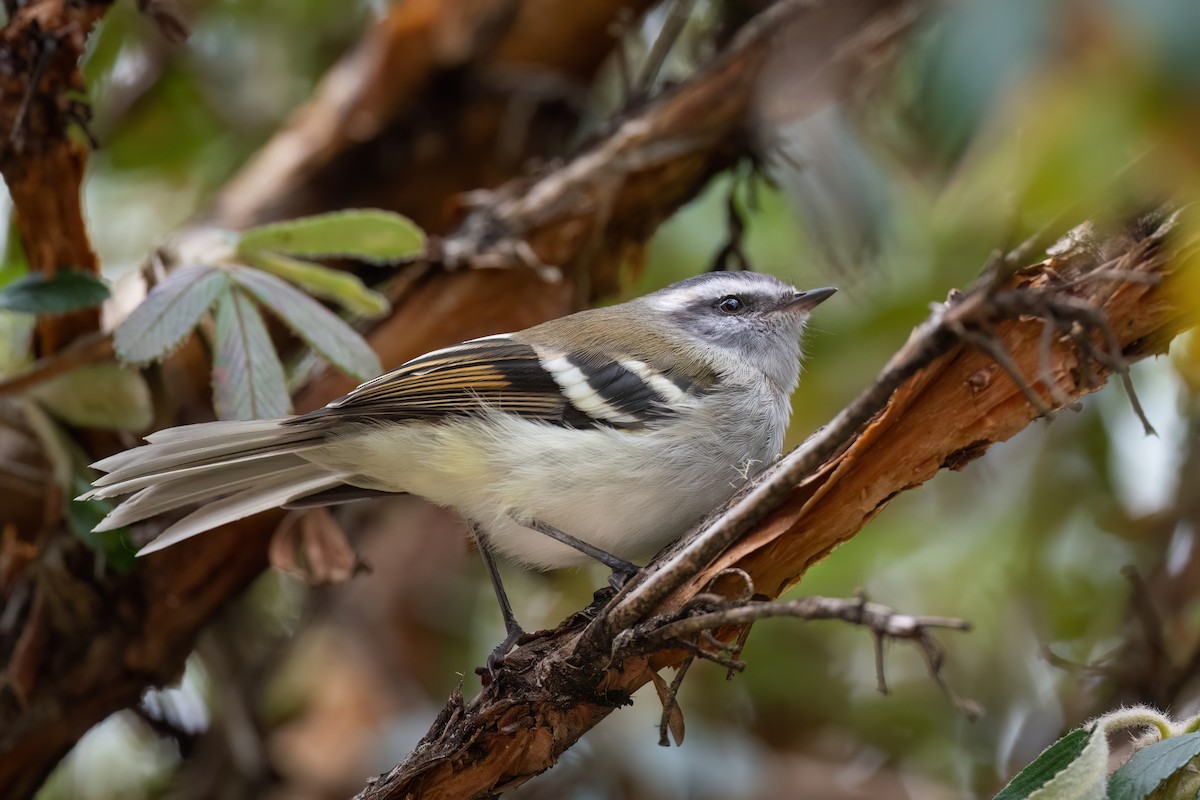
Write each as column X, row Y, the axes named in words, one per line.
column 1072, row 548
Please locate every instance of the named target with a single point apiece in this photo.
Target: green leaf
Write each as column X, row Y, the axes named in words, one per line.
column 1141, row 775
column 16, row 336
column 67, row 290
column 312, row 322
column 248, row 381
column 1054, row 763
column 13, row 263
column 343, row 288
column 366, row 234
column 168, row 314
column 84, row 515
column 106, row 396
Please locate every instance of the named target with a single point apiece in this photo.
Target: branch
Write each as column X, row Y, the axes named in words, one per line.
column 40, row 47
column 679, row 629
column 938, row 404
column 90, row 350
column 132, row 631
column 422, row 81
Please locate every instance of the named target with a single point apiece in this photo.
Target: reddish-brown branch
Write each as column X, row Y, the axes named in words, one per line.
column 43, row 166
column 945, row 414
column 133, row 631
column 418, row 112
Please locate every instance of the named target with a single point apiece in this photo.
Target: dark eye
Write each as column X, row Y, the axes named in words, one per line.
column 730, row 304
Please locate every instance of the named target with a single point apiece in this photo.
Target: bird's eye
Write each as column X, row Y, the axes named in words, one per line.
column 730, row 304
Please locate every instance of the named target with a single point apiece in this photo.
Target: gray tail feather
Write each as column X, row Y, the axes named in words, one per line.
column 234, row 469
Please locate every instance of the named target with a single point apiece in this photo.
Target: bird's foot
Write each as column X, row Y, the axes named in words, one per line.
column 496, row 658
column 622, row 574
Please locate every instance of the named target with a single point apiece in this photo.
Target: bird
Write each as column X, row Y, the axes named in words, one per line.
column 602, row 435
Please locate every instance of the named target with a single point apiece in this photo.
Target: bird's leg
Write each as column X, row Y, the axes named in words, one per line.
column 510, row 621
column 622, row 570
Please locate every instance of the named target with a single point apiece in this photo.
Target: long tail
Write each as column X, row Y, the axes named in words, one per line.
column 233, row 469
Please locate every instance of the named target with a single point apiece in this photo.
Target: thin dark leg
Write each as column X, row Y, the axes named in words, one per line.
column 622, row 570
column 510, row 621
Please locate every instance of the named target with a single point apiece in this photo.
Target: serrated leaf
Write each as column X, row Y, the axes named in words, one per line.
column 339, row 286
column 1149, row 767
column 1055, row 765
column 168, row 314
column 367, row 234
column 320, row 328
column 67, row 290
column 248, row 381
column 106, row 396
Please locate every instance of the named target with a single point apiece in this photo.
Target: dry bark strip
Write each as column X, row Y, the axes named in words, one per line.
column 76, row 644
column 944, row 415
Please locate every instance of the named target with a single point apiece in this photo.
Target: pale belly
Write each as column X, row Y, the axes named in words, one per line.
column 626, row 493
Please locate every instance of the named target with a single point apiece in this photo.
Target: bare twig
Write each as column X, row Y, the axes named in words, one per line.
column 817, row 497
column 46, row 47
column 658, row 633
column 677, row 16
column 92, row 349
column 960, row 318
column 884, row 623
column 932, row 339
column 670, row 704
column 733, row 250
column 988, row 344
column 1079, row 319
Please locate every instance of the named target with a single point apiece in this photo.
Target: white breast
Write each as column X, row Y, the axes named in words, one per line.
column 626, row 492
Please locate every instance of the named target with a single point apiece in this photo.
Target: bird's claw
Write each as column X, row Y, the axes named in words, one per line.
column 620, row 577
column 496, row 658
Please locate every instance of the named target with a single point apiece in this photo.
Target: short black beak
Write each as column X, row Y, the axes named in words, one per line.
column 807, row 301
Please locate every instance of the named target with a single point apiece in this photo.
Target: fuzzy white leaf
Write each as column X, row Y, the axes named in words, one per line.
column 248, row 380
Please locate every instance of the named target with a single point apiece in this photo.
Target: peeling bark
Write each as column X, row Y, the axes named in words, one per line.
column 78, row 644
column 945, row 413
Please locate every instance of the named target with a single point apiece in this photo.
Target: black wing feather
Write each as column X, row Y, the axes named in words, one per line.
column 498, row 373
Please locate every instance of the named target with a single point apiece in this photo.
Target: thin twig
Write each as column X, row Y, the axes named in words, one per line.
column 671, row 702
column 621, row 55
column 880, row 676
column 996, row 351
column 92, row 349
column 47, row 47
column 871, row 615
column 934, row 661
column 938, row 335
column 677, row 16
column 1086, row 316
column 1116, row 276
column 640, row 597
column 676, row 630
column 1045, row 367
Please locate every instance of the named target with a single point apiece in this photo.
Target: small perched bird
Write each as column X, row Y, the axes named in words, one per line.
column 602, row 435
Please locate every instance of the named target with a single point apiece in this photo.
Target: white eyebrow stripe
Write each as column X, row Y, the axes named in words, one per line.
column 578, row 391
column 664, row 386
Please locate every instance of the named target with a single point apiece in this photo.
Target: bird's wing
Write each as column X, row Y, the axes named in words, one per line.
column 502, row 373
